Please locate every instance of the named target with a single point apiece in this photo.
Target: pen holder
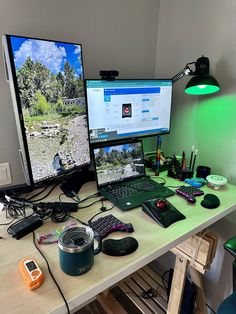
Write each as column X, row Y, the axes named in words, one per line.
column 203, row 171
column 174, row 169
column 186, row 174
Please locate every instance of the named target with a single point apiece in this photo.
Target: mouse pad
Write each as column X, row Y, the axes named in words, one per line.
column 119, row 247
column 164, row 217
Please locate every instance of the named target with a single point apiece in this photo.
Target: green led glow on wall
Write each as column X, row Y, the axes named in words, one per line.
column 208, row 122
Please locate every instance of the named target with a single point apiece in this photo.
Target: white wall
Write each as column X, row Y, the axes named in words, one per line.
column 187, row 29
column 114, row 35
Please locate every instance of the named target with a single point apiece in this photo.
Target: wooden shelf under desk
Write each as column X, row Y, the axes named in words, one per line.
column 194, row 256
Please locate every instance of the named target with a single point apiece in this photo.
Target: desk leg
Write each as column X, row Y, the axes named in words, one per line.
column 177, row 286
column 200, row 298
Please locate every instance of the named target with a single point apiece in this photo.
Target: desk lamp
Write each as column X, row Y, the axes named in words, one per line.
column 202, row 82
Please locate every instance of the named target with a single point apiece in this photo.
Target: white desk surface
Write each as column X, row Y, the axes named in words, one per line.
column 153, row 242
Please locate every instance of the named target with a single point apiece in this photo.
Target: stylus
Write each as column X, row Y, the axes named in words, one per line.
column 194, row 160
column 191, row 158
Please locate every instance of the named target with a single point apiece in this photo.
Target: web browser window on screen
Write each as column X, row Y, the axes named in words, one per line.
column 128, row 108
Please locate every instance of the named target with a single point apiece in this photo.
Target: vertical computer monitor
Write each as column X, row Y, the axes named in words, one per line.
column 126, row 109
column 47, row 87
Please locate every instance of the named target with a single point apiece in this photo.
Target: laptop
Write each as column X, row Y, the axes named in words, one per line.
column 121, row 178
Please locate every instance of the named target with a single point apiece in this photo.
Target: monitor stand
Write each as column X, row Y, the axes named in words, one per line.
column 72, row 185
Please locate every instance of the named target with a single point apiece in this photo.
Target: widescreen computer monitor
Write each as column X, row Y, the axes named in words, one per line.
column 47, row 87
column 126, row 109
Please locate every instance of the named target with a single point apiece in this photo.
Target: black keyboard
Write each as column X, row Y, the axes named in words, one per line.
column 129, row 188
column 131, row 194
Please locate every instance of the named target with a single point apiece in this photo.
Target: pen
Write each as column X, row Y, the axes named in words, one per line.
column 191, row 157
column 158, row 156
column 194, row 160
column 183, row 165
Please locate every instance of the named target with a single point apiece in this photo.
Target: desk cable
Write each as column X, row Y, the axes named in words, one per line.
column 50, row 272
column 40, row 192
column 102, row 210
column 79, row 201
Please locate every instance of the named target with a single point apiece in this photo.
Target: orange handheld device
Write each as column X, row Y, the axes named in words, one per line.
column 31, row 273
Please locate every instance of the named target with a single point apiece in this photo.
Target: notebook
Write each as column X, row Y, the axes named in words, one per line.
column 121, row 178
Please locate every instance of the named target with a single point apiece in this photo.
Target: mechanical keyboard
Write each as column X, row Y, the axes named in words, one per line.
column 108, row 224
column 189, row 193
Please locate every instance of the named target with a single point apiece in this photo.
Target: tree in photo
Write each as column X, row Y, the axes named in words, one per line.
column 25, row 77
column 41, row 107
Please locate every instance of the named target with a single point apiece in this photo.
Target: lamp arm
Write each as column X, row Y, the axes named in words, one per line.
column 186, row 71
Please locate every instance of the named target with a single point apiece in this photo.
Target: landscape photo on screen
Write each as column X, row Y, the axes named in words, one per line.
column 118, row 162
column 51, row 88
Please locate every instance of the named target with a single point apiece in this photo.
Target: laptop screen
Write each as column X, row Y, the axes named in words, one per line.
column 120, row 162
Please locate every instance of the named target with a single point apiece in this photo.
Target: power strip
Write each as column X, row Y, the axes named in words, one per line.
column 71, row 207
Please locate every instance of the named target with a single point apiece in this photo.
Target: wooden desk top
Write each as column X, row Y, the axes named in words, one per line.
column 106, row 271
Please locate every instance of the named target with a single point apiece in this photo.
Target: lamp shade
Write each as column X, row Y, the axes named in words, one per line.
column 202, row 84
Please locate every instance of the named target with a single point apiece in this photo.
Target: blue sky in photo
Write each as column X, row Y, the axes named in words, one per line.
column 52, row 54
column 119, row 148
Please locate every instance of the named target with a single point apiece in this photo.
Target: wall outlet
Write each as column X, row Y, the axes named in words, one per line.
column 5, row 174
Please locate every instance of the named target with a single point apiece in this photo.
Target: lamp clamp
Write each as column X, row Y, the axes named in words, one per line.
column 202, row 67
column 186, row 71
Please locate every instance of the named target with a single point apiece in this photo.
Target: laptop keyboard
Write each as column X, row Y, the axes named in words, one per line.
column 127, row 189
column 122, row 191
column 132, row 193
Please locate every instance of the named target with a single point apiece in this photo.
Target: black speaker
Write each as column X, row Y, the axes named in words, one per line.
column 126, row 111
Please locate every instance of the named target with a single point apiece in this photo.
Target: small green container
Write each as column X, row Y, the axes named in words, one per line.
column 76, row 250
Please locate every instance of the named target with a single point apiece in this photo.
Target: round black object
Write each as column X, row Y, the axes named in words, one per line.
column 119, row 247
column 210, row 201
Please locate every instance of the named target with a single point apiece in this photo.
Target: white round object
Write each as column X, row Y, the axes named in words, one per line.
column 216, row 181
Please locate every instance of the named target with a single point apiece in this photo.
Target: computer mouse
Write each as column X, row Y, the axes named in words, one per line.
column 210, row 201
column 162, row 204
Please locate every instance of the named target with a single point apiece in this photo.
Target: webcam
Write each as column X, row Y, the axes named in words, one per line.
column 109, row 75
